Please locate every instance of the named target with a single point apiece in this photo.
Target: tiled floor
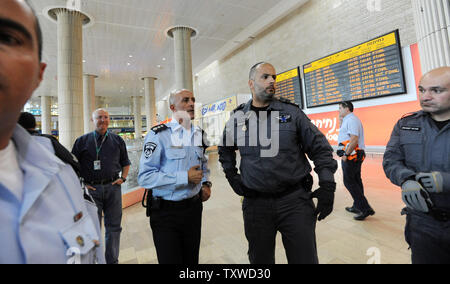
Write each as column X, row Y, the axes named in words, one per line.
column 340, row 239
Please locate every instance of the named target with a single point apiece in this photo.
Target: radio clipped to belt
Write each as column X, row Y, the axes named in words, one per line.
column 357, row 155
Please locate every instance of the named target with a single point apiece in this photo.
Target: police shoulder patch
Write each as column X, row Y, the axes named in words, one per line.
column 159, row 128
column 149, row 149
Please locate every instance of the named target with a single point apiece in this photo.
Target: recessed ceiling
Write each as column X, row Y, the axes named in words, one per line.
column 126, row 39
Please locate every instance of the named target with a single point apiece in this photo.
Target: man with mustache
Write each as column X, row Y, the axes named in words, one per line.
column 275, row 175
column 43, row 216
column 174, row 169
column 104, row 167
column 417, row 159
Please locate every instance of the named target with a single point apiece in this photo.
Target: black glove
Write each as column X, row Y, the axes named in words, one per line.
column 325, row 200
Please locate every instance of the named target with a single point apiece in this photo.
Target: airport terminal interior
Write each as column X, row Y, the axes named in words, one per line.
column 128, row 56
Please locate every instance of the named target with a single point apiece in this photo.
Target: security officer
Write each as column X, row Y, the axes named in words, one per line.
column 276, row 183
column 43, row 216
column 173, row 166
column 103, row 156
column 417, row 159
column 351, row 139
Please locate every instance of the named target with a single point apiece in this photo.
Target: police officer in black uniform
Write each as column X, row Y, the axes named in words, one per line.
column 417, row 159
column 273, row 138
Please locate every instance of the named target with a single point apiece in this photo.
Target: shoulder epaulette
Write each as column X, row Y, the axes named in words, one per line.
column 239, row 107
column 409, row 114
column 159, row 128
column 287, row 101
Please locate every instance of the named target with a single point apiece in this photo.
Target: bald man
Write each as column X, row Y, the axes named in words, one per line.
column 417, row 158
column 104, row 166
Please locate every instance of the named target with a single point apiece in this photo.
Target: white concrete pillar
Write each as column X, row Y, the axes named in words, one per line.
column 432, row 22
column 137, row 117
column 70, row 73
column 88, row 101
column 150, row 101
column 183, row 56
column 46, row 115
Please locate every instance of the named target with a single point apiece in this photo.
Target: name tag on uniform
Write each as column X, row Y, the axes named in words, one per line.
column 411, row 128
column 97, row 166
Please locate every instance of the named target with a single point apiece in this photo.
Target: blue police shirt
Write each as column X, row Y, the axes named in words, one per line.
column 51, row 223
column 167, row 157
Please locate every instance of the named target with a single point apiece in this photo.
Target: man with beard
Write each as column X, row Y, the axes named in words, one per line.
column 275, row 172
column 417, row 159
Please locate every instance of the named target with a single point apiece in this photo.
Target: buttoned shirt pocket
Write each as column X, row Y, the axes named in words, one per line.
column 287, row 137
column 412, row 143
column 176, row 159
column 81, row 240
column 176, row 154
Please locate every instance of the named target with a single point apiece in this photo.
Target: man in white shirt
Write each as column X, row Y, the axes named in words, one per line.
column 43, row 216
column 351, row 139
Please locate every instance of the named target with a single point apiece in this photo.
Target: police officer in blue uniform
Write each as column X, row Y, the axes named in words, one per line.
column 43, row 216
column 174, row 168
column 417, row 159
column 275, row 174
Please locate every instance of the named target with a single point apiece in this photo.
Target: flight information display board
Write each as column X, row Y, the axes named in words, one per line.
column 289, row 86
column 370, row 70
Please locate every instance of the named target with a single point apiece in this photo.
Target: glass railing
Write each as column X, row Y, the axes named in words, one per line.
column 134, row 148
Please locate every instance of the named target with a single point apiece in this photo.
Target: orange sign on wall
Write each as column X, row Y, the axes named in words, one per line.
column 378, row 121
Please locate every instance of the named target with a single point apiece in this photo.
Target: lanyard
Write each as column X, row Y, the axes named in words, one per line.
column 97, row 149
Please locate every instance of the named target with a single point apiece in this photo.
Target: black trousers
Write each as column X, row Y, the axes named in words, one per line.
column 353, row 182
column 177, row 233
column 429, row 239
column 293, row 216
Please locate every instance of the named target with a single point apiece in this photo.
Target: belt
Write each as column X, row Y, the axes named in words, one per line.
column 102, row 182
column 259, row 194
column 183, row 204
column 440, row 215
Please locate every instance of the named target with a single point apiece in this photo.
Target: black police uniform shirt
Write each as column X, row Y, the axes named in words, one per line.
column 418, row 144
column 298, row 137
column 113, row 156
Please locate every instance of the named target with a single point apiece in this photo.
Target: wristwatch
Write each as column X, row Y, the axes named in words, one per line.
column 124, row 179
column 207, row 183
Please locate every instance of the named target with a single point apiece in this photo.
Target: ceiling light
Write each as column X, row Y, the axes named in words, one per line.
column 130, row 56
column 128, row 63
column 164, row 59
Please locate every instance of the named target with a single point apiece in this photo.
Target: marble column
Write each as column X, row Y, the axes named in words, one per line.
column 432, row 22
column 70, row 73
column 183, row 56
column 88, row 101
column 46, row 115
column 150, row 101
column 137, row 117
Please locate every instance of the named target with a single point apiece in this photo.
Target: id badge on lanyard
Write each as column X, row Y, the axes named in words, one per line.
column 97, row 162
